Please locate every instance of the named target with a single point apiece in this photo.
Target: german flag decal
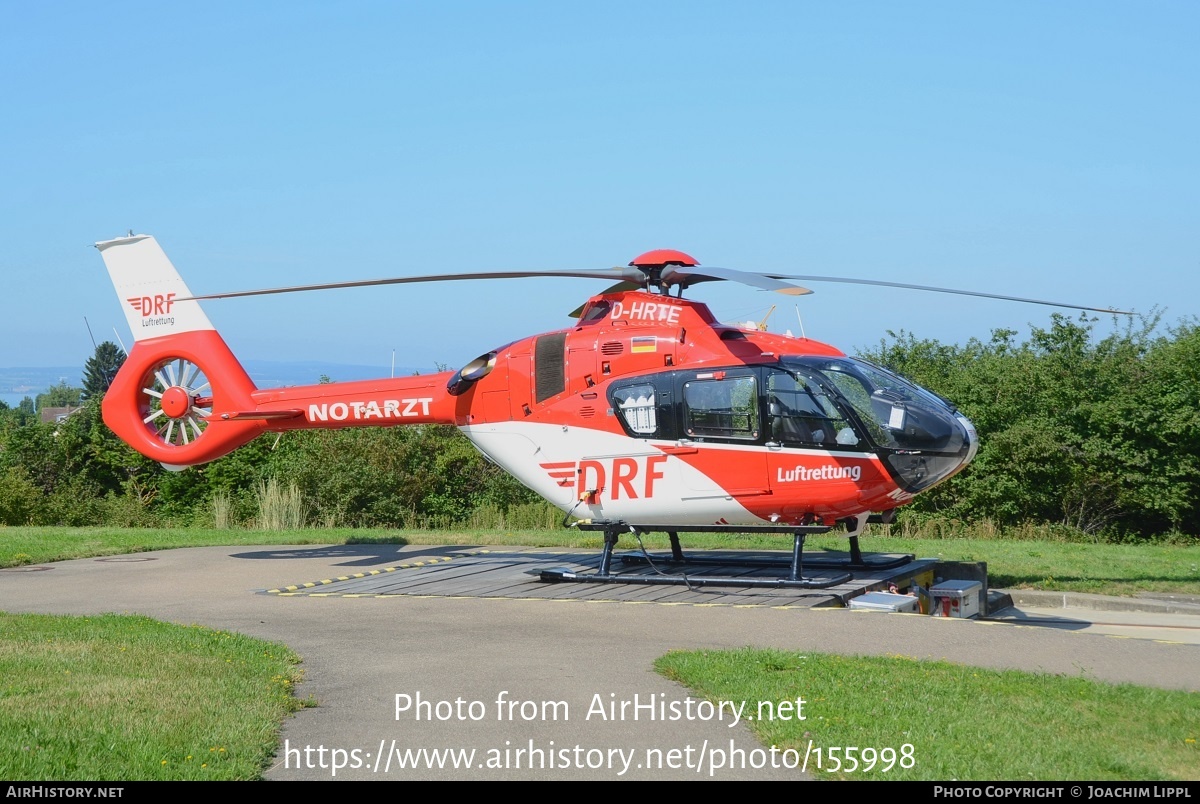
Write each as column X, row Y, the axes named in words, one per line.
column 643, row 343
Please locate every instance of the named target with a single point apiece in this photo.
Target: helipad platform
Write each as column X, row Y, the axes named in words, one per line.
column 516, row 573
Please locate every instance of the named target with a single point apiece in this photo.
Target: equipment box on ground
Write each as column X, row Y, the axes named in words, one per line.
column 956, row 598
column 884, row 601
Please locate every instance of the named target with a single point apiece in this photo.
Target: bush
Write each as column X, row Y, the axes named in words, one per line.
column 20, row 499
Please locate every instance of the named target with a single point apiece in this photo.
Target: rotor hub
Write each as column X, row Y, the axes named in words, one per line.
column 176, row 402
column 662, row 257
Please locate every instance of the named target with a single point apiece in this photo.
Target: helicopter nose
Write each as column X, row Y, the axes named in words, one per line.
column 972, row 440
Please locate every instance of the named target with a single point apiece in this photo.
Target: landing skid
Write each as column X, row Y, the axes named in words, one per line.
column 613, row 530
column 855, row 561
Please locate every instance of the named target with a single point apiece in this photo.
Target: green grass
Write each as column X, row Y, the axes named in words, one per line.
column 116, row 698
column 957, row 722
column 1109, row 569
column 129, row 698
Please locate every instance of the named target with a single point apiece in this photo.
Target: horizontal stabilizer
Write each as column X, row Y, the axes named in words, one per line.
column 261, row 415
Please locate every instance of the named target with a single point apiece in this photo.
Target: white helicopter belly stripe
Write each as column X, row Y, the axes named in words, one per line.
column 620, row 478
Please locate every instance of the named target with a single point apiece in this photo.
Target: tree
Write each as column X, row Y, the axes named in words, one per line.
column 1099, row 435
column 59, row 396
column 101, row 367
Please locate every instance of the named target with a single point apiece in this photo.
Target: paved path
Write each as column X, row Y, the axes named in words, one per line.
column 361, row 653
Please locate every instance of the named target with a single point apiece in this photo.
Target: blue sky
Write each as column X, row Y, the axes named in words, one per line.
column 1043, row 149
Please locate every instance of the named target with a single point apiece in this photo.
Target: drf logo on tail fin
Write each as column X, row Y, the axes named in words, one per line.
column 152, row 305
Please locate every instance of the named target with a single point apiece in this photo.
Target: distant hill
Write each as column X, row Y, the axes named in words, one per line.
column 33, row 381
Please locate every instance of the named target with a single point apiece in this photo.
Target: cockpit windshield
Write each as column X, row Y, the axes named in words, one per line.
column 922, row 438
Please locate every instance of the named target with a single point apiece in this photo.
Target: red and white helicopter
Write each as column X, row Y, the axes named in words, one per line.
column 646, row 414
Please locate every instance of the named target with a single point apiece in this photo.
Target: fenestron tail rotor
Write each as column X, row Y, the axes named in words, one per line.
column 177, row 401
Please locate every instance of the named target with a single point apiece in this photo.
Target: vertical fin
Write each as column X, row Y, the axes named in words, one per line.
column 148, row 285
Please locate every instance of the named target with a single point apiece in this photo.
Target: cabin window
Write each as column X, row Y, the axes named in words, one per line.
column 636, row 406
column 721, row 408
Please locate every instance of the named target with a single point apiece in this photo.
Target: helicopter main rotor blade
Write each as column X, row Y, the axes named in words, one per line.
column 686, row 276
column 682, row 276
column 620, row 273
column 881, row 283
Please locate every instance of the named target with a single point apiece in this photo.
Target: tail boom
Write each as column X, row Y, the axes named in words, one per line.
column 420, row 399
column 185, row 400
